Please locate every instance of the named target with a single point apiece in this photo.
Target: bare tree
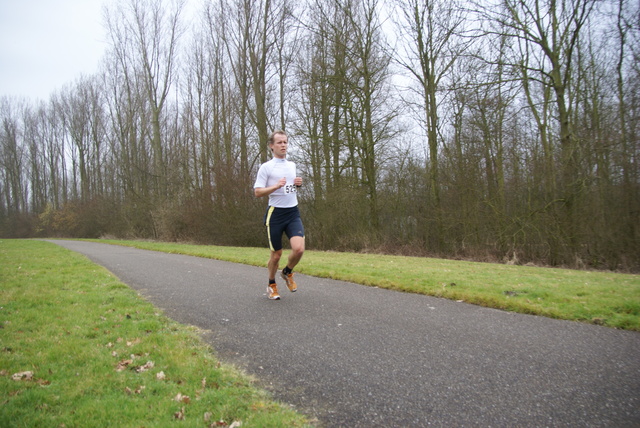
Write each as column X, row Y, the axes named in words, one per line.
column 432, row 31
column 370, row 113
column 12, row 160
column 145, row 34
column 254, row 33
column 548, row 32
column 320, row 107
column 627, row 77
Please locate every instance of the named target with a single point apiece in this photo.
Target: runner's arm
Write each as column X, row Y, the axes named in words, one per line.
column 266, row 191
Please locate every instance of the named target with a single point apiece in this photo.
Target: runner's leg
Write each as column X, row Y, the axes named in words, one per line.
column 274, row 261
column 297, row 250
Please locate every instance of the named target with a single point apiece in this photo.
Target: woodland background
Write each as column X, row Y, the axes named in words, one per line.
column 496, row 130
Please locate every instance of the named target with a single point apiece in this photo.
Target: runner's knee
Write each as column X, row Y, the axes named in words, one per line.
column 275, row 256
column 297, row 245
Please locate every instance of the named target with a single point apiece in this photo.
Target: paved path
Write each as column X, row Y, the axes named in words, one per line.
column 356, row 356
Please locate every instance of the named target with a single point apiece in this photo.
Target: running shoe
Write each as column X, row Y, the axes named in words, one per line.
column 272, row 292
column 290, row 282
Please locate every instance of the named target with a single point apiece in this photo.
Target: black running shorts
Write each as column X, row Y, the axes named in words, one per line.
column 282, row 220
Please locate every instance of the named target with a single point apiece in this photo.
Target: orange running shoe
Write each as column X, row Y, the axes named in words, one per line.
column 289, row 280
column 272, row 292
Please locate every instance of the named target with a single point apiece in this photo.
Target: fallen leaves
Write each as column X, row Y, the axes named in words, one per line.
column 221, row 422
column 137, row 391
column 123, row 364
column 182, row 398
column 132, row 364
column 179, row 415
column 135, row 341
column 28, row 375
column 148, row 366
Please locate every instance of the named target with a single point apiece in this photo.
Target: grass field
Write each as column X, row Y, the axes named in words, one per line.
column 80, row 349
column 605, row 298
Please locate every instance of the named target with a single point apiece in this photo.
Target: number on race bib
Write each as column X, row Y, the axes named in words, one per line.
column 291, row 188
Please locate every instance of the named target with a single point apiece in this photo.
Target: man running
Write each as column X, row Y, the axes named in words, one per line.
column 277, row 179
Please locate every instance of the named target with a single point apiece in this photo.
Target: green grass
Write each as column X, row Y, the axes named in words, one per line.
column 72, row 324
column 606, row 298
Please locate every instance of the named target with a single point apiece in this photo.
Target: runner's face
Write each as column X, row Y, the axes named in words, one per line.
column 280, row 145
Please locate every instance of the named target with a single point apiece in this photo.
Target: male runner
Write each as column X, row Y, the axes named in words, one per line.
column 277, row 179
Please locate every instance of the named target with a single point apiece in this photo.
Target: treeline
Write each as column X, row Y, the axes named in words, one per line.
column 497, row 130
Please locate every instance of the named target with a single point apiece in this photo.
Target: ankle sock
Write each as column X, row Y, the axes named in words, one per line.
column 272, row 281
column 286, row 270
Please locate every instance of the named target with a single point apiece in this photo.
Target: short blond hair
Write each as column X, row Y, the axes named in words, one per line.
column 274, row 133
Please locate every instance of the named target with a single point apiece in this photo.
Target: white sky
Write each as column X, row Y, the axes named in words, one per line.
column 46, row 44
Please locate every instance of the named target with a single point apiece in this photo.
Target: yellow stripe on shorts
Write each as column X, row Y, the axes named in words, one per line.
column 271, row 209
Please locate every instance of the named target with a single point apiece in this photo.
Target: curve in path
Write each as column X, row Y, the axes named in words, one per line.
column 356, row 356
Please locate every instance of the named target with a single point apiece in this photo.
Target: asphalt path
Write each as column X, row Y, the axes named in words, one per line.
column 356, row 356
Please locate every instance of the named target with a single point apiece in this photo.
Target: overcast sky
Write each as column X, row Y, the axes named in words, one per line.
column 45, row 44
